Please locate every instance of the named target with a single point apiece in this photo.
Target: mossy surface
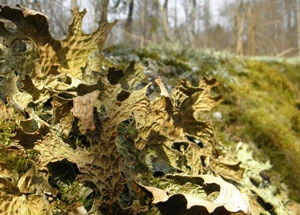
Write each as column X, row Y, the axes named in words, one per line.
column 261, row 107
column 7, row 130
column 16, row 162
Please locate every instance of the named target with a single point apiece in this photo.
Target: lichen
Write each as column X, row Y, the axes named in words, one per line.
column 261, row 103
column 94, row 138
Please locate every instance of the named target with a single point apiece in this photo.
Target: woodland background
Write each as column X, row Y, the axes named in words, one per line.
column 244, row 27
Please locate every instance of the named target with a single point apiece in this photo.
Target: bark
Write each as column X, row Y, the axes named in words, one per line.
column 289, row 14
column 206, row 22
column 175, row 16
column 251, row 32
column 298, row 25
column 239, row 27
column 143, row 19
column 240, row 24
column 165, row 21
column 193, row 17
column 104, row 9
column 74, row 3
column 129, row 16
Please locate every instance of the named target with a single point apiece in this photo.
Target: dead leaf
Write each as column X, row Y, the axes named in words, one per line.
column 83, row 108
column 229, row 196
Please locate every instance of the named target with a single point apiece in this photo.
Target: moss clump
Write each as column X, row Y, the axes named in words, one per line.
column 19, row 163
column 75, row 192
column 7, row 130
column 264, row 111
column 62, row 176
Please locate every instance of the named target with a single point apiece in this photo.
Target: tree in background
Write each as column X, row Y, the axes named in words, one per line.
column 298, row 24
column 165, row 20
column 252, row 27
column 238, row 29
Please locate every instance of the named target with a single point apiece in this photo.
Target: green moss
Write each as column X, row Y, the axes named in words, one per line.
column 18, row 164
column 264, row 111
column 7, row 130
column 75, row 192
column 145, row 53
column 295, row 123
column 263, row 124
column 15, row 162
column 62, row 176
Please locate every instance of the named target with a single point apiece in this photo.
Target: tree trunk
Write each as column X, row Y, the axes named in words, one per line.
column 104, row 9
column 143, row 19
column 298, row 25
column 129, row 17
column 155, row 20
column 193, row 17
column 251, row 31
column 207, row 19
column 239, row 45
column 288, row 9
column 165, row 20
column 175, row 16
column 239, row 27
column 74, row 3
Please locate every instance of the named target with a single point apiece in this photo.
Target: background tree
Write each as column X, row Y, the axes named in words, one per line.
column 165, row 20
column 298, row 24
column 252, row 27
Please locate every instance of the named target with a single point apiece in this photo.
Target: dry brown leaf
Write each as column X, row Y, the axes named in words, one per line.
column 229, row 196
column 163, row 90
column 232, row 199
column 84, row 109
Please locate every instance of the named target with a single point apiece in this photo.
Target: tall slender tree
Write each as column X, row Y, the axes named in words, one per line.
column 165, row 20
column 130, row 14
column 238, row 30
column 298, row 25
column 207, row 22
